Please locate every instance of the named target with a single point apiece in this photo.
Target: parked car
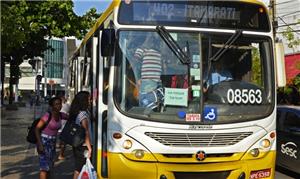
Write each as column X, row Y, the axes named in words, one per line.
column 288, row 138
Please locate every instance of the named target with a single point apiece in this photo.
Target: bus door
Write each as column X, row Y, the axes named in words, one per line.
column 102, row 71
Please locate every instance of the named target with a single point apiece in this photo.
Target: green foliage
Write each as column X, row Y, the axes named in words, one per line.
column 25, row 25
column 290, row 94
column 296, row 82
column 293, row 42
column 256, row 67
column 89, row 19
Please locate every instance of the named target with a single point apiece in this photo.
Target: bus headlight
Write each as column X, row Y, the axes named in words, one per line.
column 261, row 147
column 254, row 152
column 139, row 153
column 127, row 144
column 129, row 147
column 265, row 143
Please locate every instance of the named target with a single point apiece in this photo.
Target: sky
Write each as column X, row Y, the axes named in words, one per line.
column 82, row 6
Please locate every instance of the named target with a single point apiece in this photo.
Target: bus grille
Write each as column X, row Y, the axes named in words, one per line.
column 198, row 139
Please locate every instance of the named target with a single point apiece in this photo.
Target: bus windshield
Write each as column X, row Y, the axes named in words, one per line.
column 152, row 83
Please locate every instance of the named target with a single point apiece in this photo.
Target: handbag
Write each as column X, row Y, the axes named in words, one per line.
column 88, row 171
column 73, row 134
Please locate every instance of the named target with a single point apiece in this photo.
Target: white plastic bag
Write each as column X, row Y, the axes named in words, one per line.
column 88, row 171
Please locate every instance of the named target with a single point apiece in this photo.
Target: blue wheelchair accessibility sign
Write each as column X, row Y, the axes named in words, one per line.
column 210, row 114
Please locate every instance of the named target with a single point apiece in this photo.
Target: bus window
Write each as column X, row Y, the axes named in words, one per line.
column 86, row 77
column 241, row 78
column 105, row 79
column 152, row 81
column 291, row 121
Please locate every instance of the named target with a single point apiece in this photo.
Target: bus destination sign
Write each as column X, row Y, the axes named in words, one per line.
column 194, row 12
column 206, row 14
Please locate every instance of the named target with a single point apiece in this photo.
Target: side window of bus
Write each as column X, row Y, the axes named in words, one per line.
column 106, row 62
column 72, row 74
column 105, row 80
column 84, row 71
column 291, row 122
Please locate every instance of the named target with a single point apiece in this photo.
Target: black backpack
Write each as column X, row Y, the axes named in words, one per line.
column 73, row 134
column 31, row 138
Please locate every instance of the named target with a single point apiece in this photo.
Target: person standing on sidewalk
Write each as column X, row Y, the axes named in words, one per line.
column 31, row 98
column 79, row 112
column 46, row 138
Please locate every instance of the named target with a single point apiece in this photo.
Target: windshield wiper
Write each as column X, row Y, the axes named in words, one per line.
column 173, row 45
column 226, row 46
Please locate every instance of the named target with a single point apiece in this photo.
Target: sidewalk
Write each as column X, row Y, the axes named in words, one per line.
column 19, row 159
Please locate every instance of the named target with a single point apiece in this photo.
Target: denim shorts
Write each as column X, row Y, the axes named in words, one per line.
column 47, row 158
column 151, row 99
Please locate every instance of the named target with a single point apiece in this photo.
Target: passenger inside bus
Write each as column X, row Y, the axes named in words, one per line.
column 148, row 69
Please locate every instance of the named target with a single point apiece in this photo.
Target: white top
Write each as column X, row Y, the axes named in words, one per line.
column 85, row 115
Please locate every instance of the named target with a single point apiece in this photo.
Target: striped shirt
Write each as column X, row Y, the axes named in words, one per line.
column 151, row 63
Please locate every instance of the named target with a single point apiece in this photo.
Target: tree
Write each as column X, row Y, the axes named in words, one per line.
column 26, row 24
column 290, row 94
column 256, row 72
column 289, row 35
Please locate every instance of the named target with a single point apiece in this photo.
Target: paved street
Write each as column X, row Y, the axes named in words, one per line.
column 18, row 157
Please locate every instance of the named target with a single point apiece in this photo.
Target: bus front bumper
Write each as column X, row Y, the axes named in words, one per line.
column 121, row 167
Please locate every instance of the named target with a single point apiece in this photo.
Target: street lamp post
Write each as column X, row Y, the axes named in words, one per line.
column 45, row 78
column 36, row 65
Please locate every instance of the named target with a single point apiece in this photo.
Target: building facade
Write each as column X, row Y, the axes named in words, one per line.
column 53, row 68
column 56, row 67
column 53, row 65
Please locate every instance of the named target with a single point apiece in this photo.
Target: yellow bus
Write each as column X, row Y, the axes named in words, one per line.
column 181, row 89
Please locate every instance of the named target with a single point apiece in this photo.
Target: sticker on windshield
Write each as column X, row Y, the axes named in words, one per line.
column 193, row 117
column 195, row 71
column 176, row 97
column 181, row 114
column 197, row 78
column 210, row 114
column 244, row 96
column 196, row 58
column 196, row 93
column 196, row 87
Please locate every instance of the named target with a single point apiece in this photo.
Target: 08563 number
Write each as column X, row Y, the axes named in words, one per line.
column 244, row 96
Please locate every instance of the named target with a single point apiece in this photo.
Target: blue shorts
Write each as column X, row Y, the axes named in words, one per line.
column 47, row 158
column 151, row 99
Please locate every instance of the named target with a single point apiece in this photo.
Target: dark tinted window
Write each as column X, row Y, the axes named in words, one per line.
column 292, row 121
column 278, row 115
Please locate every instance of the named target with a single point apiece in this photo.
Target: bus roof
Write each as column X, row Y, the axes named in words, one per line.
column 116, row 3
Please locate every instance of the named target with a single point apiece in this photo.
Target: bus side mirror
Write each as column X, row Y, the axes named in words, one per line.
column 107, row 42
column 280, row 65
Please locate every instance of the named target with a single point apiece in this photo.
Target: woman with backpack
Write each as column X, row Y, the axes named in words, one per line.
column 46, row 133
column 79, row 112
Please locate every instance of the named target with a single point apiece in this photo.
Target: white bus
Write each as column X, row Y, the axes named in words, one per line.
column 181, row 89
